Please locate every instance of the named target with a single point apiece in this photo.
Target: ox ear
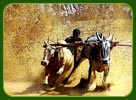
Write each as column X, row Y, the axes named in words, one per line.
column 99, row 36
column 110, row 38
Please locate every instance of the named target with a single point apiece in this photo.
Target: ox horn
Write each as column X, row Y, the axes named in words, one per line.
column 45, row 44
column 110, row 37
column 99, row 36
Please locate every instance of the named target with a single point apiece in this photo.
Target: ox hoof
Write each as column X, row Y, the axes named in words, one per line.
column 53, row 88
column 107, row 86
column 44, row 83
column 92, row 87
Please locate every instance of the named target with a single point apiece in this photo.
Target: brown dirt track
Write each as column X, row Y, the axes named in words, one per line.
column 23, row 52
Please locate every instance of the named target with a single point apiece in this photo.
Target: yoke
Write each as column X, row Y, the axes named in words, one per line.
column 77, row 44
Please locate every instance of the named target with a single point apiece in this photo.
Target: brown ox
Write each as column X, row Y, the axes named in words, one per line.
column 59, row 64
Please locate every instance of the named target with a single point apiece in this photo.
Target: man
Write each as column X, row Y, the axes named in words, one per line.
column 76, row 51
column 75, row 38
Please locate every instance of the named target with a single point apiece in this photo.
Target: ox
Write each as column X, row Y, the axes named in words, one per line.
column 59, row 64
column 98, row 55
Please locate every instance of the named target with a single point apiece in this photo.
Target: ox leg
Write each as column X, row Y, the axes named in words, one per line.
column 57, row 83
column 59, row 80
column 104, row 78
column 45, row 81
column 92, row 83
column 91, row 79
column 60, row 71
column 89, row 72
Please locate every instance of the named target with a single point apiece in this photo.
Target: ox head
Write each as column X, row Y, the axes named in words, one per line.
column 49, row 53
column 105, row 46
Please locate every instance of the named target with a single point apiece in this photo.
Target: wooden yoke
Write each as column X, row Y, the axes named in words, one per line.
column 77, row 44
column 84, row 44
column 69, row 44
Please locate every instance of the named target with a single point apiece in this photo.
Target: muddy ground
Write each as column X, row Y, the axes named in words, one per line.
column 23, row 52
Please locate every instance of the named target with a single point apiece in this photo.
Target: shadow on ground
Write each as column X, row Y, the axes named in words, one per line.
column 43, row 90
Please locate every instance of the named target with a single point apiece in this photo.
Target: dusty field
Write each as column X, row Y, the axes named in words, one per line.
column 23, row 40
column 120, row 78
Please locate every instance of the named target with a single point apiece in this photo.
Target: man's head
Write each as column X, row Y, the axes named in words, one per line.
column 76, row 33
